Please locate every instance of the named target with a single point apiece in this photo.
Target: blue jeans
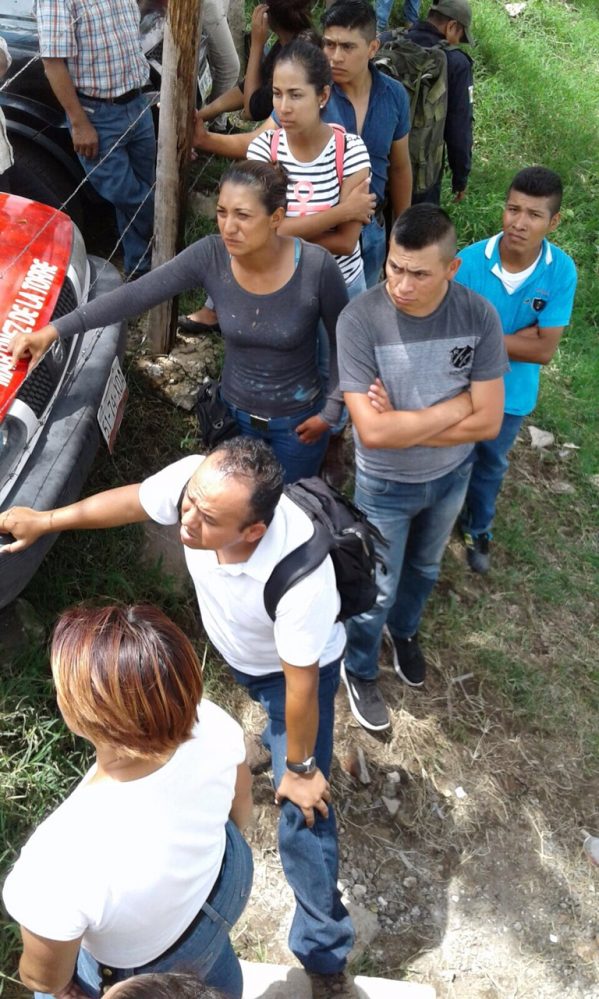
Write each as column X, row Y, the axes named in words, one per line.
column 126, row 177
column 321, row 934
column 490, row 465
column 299, row 460
column 411, row 10
column 207, row 951
column 374, row 249
column 416, row 518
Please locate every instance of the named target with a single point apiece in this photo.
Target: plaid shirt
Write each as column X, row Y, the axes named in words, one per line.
column 5, row 149
column 100, row 41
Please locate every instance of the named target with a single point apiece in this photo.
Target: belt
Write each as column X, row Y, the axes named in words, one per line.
column 266, row 423
column 125, row 98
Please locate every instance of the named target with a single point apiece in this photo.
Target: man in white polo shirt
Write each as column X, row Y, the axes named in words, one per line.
column 235, row 527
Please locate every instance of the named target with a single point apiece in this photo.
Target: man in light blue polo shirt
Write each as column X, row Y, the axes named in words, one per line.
column 531, row 283
column 370, row 104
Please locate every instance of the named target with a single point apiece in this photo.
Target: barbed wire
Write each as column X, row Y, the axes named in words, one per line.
column 83, row 181
column 87, row 349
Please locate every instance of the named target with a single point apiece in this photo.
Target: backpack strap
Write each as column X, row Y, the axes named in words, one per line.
column 339, row 133
column 295, row 566
column 274, row 144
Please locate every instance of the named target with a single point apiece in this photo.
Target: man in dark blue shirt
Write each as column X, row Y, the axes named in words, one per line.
column 450, row 20
column 370, row 104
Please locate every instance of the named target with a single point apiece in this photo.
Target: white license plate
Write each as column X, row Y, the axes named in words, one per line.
column 205, row 83
column 112, row 406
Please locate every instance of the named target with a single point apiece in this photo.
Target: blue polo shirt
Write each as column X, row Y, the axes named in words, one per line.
column 387, row 120
column 545, row 299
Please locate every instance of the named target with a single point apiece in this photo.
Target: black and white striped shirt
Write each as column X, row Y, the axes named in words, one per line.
column 314, row 186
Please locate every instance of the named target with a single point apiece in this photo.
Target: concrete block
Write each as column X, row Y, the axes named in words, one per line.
column 277, row 981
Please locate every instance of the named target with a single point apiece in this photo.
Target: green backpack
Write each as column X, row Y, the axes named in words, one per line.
column 423, row 72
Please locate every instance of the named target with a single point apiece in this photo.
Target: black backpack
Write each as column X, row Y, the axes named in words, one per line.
column 341, row 531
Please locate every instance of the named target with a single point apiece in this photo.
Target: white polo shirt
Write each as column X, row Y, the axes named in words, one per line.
column 231, row 597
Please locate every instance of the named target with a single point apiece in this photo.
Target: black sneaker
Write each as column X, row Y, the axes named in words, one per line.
column 408, row 661
column 477, row 551
column 366, row 702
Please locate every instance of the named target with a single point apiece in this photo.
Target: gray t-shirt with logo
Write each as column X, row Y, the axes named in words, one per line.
column 421, row 361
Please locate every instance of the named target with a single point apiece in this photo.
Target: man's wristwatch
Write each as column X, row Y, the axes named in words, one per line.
column 307, row 767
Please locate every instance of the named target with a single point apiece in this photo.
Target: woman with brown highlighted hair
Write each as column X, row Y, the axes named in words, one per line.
column 143, row 868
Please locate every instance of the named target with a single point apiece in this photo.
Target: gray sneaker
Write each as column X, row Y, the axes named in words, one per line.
column 337, row 986
column 366, row 701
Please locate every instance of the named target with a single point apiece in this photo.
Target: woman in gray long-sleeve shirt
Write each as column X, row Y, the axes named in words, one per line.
column 270, row 293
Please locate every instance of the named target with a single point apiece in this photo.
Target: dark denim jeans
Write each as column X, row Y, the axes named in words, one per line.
column 321, row 934
column 416, row 518
column 126, row 177
column 490, row 465
column 411, row 9
column 374, row 248
column 207, row 951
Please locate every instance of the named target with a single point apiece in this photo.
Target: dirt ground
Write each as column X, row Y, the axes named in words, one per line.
column 464, row 887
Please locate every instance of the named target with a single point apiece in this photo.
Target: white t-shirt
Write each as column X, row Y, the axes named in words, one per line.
column 231, row 596
column 314, row 186
column 129, row 864
column 511, row 281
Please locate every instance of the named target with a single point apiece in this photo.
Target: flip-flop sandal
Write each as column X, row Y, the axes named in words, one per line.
column 192, row 326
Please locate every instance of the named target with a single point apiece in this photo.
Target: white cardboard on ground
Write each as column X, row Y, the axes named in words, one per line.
column 277, row 981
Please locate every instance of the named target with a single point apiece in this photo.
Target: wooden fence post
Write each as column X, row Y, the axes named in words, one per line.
column 177, row 104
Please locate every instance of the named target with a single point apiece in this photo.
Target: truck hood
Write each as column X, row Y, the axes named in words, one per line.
column 35, row 249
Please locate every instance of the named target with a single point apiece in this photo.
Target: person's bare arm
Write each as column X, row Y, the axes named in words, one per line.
column 483, row 424
column 253, row 72
column 234, row 147
column 404, row 428
column 83, row 133
column 3, row 64
column 400, row 176
column 32, row 345
column 346, row 218
column 108, row 509
column 243, row 803
column 307, row 791
column 533, row 343
column 231, row 100
column 47, row 965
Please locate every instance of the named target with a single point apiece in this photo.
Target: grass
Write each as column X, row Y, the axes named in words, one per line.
column 527, row 633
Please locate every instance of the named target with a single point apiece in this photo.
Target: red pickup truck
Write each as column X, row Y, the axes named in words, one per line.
column 52, row 420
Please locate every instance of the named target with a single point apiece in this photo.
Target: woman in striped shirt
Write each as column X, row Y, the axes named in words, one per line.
column 328, row 170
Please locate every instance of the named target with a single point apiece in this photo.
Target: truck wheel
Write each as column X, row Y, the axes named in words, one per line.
column 39, row 177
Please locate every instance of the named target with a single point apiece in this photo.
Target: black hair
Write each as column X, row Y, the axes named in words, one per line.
column 425, row 225
column 293, row 16
column 253, row 459
column 313, row 60
column 351, row 14
column 268, row 180
column 168, row 985
column 539, row 182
